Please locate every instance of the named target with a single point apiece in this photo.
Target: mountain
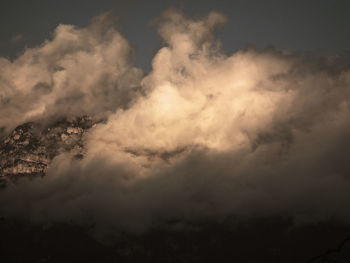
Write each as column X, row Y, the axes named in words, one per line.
column 30, row 147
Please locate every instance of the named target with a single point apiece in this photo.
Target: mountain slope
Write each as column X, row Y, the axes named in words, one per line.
column 30, row 147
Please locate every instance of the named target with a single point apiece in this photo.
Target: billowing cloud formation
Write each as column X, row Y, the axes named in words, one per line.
column 79, row 71
column 252, row 134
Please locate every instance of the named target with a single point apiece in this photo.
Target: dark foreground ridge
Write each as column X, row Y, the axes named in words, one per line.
column 259, row 240
column 339, row 254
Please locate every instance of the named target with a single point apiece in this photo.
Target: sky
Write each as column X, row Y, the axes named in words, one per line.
column 317, row 26
column 202, row 118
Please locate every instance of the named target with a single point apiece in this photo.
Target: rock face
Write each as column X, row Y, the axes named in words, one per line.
column 30, row 147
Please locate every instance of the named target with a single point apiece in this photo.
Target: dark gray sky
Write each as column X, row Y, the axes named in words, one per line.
column 318, row 26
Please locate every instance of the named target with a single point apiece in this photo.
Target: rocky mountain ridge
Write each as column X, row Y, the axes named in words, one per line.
column 30, row 147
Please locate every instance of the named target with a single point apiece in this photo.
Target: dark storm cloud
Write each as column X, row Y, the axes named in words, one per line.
column 257, row 133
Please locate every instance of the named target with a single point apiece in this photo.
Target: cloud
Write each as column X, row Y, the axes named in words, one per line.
column 79, row 71
column 256, row 133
